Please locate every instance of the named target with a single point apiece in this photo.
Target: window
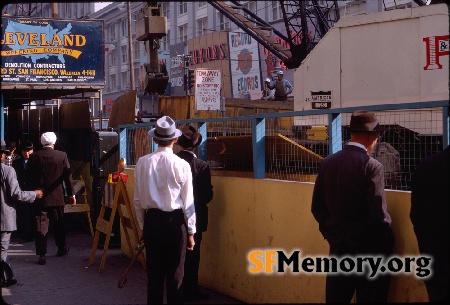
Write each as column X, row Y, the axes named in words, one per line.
column 182, row 7
column 112, row 32
column 201, row 3
column 202, row 26
column 123, row 24
column 133, row 23
column 112, row 83
column 125, row 79
column 166, row 9
column 276, row 11
column 136, row 49
column 182, row 33
column 113, row 57
column 251, row 6
column 124, row 51
column 165, row 41
column 224, row 22
column 136, row 77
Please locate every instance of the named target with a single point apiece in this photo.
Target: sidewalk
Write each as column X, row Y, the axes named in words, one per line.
column 68, row 280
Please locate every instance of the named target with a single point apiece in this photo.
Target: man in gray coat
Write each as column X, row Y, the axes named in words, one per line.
column 10, row 193
column 349, row 203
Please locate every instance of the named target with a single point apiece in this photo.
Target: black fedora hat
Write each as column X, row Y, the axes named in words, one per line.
column 3, row 148
column 189, row 137
column 27, row 145
column 364, row 121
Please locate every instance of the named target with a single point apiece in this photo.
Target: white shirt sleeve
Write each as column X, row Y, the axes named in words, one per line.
column 187, row 193
column 137, row 205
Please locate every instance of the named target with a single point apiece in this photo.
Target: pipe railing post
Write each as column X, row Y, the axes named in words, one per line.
column 259, row 147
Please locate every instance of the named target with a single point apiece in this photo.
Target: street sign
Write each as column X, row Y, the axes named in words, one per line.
column 207, row 89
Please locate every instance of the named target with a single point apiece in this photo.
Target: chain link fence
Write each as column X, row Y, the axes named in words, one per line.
column 296, row 143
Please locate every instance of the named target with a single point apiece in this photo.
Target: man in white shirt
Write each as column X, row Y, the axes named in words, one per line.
column 164, row 204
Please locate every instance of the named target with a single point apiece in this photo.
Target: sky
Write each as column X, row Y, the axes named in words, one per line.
column 100, row 5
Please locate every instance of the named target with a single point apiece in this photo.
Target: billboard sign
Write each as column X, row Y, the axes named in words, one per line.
column 244, row 62
column 52, row 51
column 177, row 70
column 207, row 89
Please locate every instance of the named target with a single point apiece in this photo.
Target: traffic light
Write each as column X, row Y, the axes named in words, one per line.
column 191, row 80
column 185, row 82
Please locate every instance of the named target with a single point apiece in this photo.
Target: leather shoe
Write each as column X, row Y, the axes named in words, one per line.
column 9, row 282
column 63, row 251
column 3, row 302
column 42, row 260
column 198, row 296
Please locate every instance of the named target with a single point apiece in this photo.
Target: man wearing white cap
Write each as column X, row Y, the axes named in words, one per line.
column 282, row 87
column 49, row 169
column 164, row 204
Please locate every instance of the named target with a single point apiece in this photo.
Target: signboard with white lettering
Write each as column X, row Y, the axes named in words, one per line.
column 52, row 51
column 244, row 64
column 207, row 89
column 321, row 100
column 177, row 70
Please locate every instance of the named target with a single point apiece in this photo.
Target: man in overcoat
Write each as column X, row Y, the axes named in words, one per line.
column 49, row 169
column 25, row 222
column 349, row 203
column 203, row 194
column 430, row 202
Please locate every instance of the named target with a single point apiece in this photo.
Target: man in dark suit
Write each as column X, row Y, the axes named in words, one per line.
column 203, row 194
column 430, row 201
column 349, row 203
column 49, row 169
column 10, row 192
column 24, row 210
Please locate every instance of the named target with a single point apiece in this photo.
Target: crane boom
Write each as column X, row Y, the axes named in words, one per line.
column 306, row 23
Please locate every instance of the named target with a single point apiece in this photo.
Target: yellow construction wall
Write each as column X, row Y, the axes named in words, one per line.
column 248, row 214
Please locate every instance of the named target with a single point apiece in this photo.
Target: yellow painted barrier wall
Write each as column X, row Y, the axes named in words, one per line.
column 248, row 214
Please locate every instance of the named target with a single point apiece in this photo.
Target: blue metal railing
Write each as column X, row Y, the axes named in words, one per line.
column 258, row 128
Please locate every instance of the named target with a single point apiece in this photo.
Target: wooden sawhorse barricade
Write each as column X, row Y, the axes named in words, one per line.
column 105, row 226
column 80, row 191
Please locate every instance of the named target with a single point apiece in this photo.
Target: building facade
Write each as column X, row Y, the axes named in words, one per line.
column 194, row 31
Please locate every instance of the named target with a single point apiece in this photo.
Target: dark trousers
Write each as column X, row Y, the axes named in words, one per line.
column 191, row 265
column 165, row 237
column 43, row 216
column 438, row 283
column 340, row 288
column 281, row 98
column 25, row 220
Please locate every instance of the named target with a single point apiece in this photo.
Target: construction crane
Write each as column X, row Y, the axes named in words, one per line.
column 306, row 22
column 151, row 27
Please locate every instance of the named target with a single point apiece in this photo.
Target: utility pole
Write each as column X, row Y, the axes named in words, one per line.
column 130, row 48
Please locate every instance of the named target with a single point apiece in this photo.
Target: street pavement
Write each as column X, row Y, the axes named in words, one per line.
column 68, row 280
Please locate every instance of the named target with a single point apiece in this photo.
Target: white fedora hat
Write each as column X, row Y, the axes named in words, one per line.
column 165, row 129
